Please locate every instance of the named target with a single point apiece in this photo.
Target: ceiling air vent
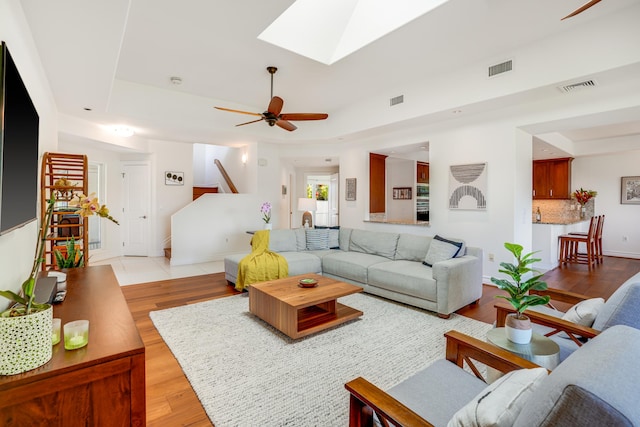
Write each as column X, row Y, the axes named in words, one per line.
column 396, row 100
column 503, row 67
column 580, row 85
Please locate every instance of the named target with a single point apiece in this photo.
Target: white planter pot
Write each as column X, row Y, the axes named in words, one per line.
column 25, row 342
column 268, row 226
column 518, row 330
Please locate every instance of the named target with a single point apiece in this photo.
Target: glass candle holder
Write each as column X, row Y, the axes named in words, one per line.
column 76, row 334
column 55, row 331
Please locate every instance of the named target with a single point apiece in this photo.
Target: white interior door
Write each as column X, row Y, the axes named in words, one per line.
column 334, row 200
column 136, row 208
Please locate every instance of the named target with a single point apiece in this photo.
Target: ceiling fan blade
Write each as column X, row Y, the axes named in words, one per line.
column 275, row 106
column 238, row 111
column 286, row 125
column 304, row 116
column 252, row 121
column 581, row 9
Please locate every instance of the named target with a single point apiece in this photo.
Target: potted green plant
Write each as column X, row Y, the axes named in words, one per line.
column 25, row 327
column 71, row 256
column 518, row 325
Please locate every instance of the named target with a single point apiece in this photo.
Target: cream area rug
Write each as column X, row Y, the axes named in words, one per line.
column 246, row 373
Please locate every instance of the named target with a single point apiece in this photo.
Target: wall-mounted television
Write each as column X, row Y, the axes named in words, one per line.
column 19, row 123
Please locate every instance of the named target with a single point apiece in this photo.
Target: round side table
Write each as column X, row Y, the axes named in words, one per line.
column 541, row 350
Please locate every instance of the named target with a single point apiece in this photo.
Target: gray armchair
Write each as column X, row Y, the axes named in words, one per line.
column 599, row 383
column 622, row 308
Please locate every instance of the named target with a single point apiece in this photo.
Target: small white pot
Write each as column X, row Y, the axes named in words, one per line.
column 268, row 226
column 518, row 330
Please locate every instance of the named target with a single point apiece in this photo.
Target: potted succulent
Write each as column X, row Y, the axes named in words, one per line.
column 518, row 325
column 69, row 255
column 25, row 327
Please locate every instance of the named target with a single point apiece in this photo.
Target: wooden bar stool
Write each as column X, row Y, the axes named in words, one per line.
column 569, row 245
column 599, row 227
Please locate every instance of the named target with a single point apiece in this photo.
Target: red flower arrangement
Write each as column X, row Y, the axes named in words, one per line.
column 583, row 196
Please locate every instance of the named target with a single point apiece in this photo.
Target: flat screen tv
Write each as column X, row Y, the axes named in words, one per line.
column 18, row 148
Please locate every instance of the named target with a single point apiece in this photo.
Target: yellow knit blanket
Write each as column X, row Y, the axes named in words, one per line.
column 261, row 264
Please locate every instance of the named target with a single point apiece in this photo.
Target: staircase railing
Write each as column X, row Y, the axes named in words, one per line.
column 226, row 176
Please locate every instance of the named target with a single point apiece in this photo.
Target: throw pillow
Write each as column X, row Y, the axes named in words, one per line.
column 584, row 312
column 334, row 235
column 501, row 402
column 441, row 249
column 317, row 239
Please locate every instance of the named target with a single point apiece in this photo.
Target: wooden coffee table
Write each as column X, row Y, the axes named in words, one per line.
column 297, row 311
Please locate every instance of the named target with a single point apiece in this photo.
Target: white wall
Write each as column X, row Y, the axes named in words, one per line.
column 17, row 248
column 603, row 174
column 400, row 173
column 213, row 226
column 168, row 199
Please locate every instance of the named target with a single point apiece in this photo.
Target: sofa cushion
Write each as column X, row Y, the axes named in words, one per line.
column 317, row 239
column 412, row 248
column 622, row 306
column 424, row 393
column 282, row 240
column 302, row 262
column 301, row 239
column 344, row 238
column 605, row 368
column 374, row 242
column 500, row 403
column 441, row 249
column 405, row 277
column 584, row 312
column 350, row 265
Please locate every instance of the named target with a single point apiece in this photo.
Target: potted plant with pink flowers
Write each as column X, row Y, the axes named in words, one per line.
column 265, row 209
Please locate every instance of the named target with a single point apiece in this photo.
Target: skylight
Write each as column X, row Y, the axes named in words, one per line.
column 329, row 30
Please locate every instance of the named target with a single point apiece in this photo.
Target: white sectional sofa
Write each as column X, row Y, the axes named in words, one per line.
column 390, row 265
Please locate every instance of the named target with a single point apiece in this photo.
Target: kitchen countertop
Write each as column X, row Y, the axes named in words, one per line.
column 567, row 222
column 398, row 222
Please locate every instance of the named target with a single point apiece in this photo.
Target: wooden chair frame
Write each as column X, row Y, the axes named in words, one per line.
column 569, row 246
column 367, row 399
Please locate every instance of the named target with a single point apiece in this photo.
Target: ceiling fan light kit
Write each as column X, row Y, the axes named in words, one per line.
column 273, row 115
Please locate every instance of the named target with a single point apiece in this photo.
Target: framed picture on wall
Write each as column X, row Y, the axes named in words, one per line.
column 350, row 193
column 468, row 186
column 630, row 190
column 402, row 193
column 173, row 178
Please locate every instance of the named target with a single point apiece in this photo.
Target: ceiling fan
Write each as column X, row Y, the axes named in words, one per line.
column 582, row 9
column 273, row 114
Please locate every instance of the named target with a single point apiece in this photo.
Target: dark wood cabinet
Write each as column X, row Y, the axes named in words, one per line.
column 552, row 178
column 377, row 179
column 100, row 384
column 422, row 175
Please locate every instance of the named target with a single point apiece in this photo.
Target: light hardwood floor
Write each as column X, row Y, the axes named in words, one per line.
column 170, row 398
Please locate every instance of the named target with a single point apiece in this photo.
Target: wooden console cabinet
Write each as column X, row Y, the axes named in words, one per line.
column 102, row 384
column 552, row 178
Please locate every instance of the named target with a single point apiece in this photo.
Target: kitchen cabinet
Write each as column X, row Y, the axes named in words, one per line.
column 377, row 179
column 422, row 175
column 552, row 178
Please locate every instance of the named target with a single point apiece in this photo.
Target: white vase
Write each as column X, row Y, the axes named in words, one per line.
column 268, row 226
column 25, row 342
column 518, row 330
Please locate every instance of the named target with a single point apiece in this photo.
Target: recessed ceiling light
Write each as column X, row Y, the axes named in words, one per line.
column 176, row 80
column 123, row 131
column 457, row 111
column 88, row 109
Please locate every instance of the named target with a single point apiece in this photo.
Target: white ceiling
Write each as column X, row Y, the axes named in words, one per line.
column 116, row 58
